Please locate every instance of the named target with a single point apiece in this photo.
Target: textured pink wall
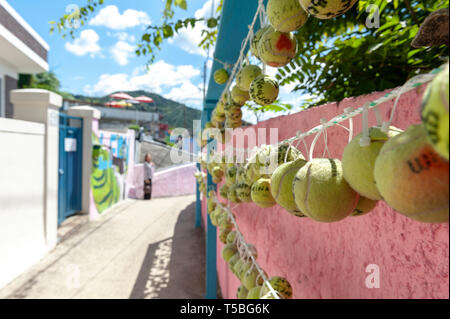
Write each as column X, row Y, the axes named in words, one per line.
column 329, row 260
column 175, row 181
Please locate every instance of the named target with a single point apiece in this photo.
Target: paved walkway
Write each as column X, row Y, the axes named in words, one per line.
column 138, row 250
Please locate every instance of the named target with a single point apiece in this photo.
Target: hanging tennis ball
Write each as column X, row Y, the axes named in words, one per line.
column 321, row 192
column 435, row 109
column 251, row 174
column 249, row 280
column 261, row 194
column 230, row 175
column 239, row 96
column 281, row 186
column 327, row 9
column 286, row 15
column 243, row 193
column 364, row 206
column 233, row 260
column 358, row 161
column 231, row 237
column 223, row 191
column 223, row 235
column 254, row 293
column 242, row 292
column 245, row 266
column 228, row 251
column 220, row 107
column 412, row 178
column 246, row 76
column 217, row 172
column 257, row 38
column 232, row 195
column 279, row 284
column 264, row 90
column 277, row 49
column 221, row 76
column 237, row 265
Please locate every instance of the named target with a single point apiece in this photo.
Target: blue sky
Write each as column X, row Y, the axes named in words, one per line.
column 101, row 58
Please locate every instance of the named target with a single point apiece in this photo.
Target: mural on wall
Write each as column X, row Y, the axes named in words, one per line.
column 109, row 168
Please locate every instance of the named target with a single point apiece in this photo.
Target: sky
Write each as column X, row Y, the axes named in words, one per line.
column 101, row 59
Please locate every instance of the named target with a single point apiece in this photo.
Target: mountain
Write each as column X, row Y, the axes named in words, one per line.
column 173, row 113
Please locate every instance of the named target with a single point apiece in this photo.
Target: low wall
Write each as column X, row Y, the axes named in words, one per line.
column 22, row 193
column 329, row 260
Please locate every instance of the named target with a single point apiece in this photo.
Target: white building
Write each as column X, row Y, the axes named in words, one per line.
column 22, row 50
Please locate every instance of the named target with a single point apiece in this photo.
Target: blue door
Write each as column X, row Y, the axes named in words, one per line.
column 70, row 166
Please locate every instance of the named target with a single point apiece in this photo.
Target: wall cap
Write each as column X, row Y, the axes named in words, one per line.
column 36, row 96
column 85, row 112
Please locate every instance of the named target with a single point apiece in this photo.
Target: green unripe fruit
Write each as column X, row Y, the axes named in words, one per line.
column 261, row 194
column 279, row 284
column 286, row 15
column 327, row 9
column 246, row 76
column 239, row 96
column 221, row 76
column 264, row 90
column 277, row 49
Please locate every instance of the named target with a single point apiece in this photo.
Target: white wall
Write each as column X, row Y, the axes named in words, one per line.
column 22, row 194
column 5, row 69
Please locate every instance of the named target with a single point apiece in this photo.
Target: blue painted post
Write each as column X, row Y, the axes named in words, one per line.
column 198, row 204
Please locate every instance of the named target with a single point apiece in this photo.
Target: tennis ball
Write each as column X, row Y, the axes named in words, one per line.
column 243, row 193
column 228, row 251
column 250, row 277
column 233, row 260
column 279, row 284
column 230, row 175
column 277, row 49
column 321, row 192
column 217, row 172
column 412, row 178
column 286, row 15
column 281, row 186
column 221, row 76
column 239, row 96
column 264, row 90
column 256, row 39
column 269, row 157
column 223, row 191
column 223, row 235
column 246, row 76
column 220, row 107
column 231, row 108
column 435, row 112
column 327, row 9
column 252, row 175
column 254, row 293
column 232, row 195
column 237, row 266
column 358, row 161
column 364, row 206
column 242, row 292
column 261, row 194
column 245, row 266
column 231, row 237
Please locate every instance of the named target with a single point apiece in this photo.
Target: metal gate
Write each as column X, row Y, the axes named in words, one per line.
column 70, row 166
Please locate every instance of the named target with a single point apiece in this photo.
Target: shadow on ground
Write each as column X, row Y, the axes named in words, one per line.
column 174, row 268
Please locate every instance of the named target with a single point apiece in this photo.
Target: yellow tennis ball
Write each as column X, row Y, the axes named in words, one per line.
column 281, row 186
column 232, row 194
column 327, row 9
column 239, row 96
column 223, row 235
column 233, row 260
column 249, row 280
column 321, row 192
column 364, row 206
column 264, row 90
column 261, row 194
column 242, row 292
column 246, row 76
column 251, row 175
column 223, row 191
column 231, row 237
column 286, row 15
column 280, row 285
column 228, row 251
column 412, row 178
column 221, row 76
column 254, row 293
column 243, row 193
column 257, row 38
column 245, row 266
column 217, row 172
column 277, row 49
column 358, row 161
column 230, row 175
column 435, row 109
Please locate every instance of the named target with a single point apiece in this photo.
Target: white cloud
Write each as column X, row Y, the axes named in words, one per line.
column 122, row 36
column 161, row 78
column 87, row 43
column 121, row 52
column 189, row 38
column 110, row 17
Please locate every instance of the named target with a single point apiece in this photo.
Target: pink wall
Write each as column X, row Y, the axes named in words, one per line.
column 176, row 181
column 329, row 260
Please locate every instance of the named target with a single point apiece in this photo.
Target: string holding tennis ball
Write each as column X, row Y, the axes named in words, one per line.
column 281, row 186
column 254, row 293
column 277, row 49
column 435, row 110
column 358, row 161
column 264, row 90
column 280, row 285
column 412, row 178
column 242, row 292
column 321, row 192
column 364, row 206
column 239, row 96
column 246, row 76
column 261, row 194
column 256, row 40
column 221, row 76
column 228, row 251
column 286, row 15
column 327, row 9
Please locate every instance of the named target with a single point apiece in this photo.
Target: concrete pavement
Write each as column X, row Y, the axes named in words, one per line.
column 139, row 250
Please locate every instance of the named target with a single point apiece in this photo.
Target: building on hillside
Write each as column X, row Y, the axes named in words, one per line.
column 22, row 50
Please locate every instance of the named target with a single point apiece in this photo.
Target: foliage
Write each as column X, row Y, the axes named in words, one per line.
column 259, row 110
column 341, row 57
column 46, row 81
